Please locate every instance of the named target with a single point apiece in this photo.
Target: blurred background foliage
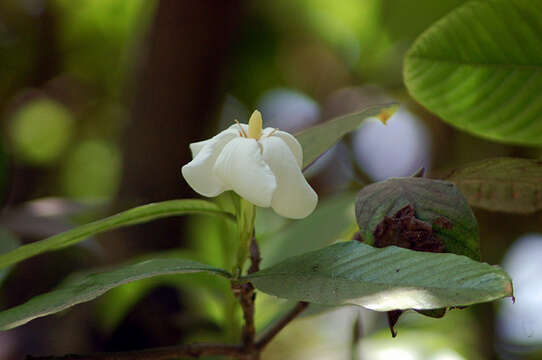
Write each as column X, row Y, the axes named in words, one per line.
column 99, row 100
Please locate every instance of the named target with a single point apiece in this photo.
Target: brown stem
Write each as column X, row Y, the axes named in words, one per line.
column 245, row 293
column 255, row 257
column 275, row 329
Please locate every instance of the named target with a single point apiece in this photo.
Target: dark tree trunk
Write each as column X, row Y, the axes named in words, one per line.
column 178, row 92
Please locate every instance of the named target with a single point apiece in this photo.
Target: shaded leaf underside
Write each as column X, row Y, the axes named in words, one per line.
column 502, row 184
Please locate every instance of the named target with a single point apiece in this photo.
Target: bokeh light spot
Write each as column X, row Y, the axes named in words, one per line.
column 398, row 148
column 92, row 170
column 520, row 323
column 40, row 131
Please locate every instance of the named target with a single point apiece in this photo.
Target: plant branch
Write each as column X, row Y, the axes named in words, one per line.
column 279, row 325
column 173, row 352
column 245, row 293
column 248, row 350
column 192, row 350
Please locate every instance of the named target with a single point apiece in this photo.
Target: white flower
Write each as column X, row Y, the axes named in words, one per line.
column 264, row 167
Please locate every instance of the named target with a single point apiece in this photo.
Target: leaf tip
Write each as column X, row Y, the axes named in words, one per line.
column 386, row 113
column 509, row 288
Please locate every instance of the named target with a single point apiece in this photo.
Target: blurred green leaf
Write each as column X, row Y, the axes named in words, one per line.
column 8, row 242
column 479, row 69
column 97, row 38
column 40, row 130
column 439, row 203
column 502, row 184
column 317, row 139
column 383, row 279
column 133, row 216
column 92, row 169
column 91, row 286
column 331, row 220
column 4, row 171
column 421, row 14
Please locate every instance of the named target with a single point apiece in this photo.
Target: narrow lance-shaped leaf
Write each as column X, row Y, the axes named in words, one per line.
column 437, row 203
column 91, row 286
column 317, row 139
column 502, row 184
column 384, row 279
column 480, row 69
column 8, row 242
column 133, row 216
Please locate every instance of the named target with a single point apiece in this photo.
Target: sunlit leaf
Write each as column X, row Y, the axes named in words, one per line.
column 90, row 287
column 480, row 69
column 383, row 279
column 317, row 139
column 133, row 216
column 438, row 203
column 502, row 184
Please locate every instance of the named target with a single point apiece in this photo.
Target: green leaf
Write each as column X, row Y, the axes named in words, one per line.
column 317, row 139
column 8, row 242
column 480, row 69
column 434, row 201
column 384, row 279
column 502, row 184
column 133, row 216
column 91, row 286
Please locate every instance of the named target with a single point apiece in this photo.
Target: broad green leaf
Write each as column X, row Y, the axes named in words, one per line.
column 502, row 184
column 133, row 216
column 8, row 242
column 91, row 286
column 480, row 69
column 435, row 202
column 384, row 279
column 317, row 139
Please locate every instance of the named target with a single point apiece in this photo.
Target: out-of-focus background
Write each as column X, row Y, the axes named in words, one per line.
column 99, row 100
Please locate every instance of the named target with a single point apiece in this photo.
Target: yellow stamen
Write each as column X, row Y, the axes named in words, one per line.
column 242, row 132
column 255, row 125
column 272, row 132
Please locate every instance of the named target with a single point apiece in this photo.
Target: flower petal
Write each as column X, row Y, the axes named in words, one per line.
column 241, row 167
column 196, row 147
column 290, row 140
column 293, row 198
column 198, row 173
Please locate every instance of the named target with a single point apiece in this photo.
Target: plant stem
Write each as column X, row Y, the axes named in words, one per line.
column 249, row 349
column 279, row 325
column 245, row 293
column 192, row 350
column 245, row 225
